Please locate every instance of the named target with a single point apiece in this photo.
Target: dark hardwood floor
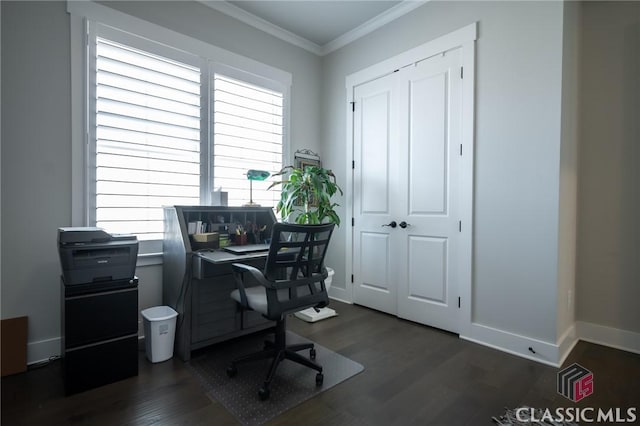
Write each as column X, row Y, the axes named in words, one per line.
column 413, row 375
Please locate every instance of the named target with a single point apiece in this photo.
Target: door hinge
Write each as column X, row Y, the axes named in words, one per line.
column 461, row 72
column 353, row 106
column 458, row 302
column 353, row 164
column 351, row 277
column 460, row 150
column 353, row 221
column 459, row 226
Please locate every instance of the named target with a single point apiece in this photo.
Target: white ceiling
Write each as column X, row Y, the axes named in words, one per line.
column 316, row 25
column 317, row 21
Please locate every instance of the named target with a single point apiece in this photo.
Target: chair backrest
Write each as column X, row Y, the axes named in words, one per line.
column 296, row 260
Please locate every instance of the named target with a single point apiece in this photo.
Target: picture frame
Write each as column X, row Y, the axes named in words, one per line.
column 306, row 157
column 302, row 163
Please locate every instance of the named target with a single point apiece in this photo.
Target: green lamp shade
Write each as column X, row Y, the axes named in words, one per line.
column 257, row 174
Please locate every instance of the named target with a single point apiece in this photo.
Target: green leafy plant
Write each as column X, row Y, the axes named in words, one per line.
column 306, row 192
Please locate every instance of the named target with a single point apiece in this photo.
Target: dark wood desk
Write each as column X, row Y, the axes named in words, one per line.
column 197, row 283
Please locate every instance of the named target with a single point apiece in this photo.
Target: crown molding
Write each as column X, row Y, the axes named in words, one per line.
column 371, row 25
column 263, row 25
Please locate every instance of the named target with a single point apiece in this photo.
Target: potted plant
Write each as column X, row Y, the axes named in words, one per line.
column 306, row 194
column 307, row 198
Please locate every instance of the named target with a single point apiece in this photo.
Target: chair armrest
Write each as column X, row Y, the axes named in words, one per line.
column 255, row 272
column 238, row 270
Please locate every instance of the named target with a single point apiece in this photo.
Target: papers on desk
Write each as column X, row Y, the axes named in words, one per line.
column 197, row 227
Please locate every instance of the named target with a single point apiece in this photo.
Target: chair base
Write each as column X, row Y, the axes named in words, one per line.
column 278, row 350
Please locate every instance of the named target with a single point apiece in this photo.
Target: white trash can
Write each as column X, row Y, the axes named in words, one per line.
column 159, row 332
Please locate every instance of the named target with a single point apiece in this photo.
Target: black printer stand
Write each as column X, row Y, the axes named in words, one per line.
column 99, row 333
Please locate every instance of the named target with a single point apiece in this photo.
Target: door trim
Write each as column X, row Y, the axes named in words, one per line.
column 463, row 38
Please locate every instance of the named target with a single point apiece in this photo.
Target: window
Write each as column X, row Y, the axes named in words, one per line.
column 167, row 126
column 247, row 134
column 147, row 138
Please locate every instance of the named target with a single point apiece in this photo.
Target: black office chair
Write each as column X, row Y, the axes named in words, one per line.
column 292, row 280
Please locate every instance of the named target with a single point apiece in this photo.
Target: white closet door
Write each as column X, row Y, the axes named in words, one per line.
column 406, row 149
column 430, row 104
column 376, row 177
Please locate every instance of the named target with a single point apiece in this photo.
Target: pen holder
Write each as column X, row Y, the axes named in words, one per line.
column 240, row 240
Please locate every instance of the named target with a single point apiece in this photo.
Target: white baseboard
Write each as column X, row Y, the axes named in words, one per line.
column 43, row 350
column 515, row 344
column 608, row 336
column 341, row 300
column 340, row 294
column 566, row 343
column 554, row 354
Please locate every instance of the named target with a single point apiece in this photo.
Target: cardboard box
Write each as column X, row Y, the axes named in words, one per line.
column 206, row 238
column 14, row 345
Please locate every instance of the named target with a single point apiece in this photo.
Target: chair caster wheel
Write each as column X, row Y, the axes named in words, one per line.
column 263, row 393
column 232, row 371
column 319, row 379
column 312, row 353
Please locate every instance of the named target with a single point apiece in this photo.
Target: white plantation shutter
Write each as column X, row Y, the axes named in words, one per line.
column 152, row 129
column 147, row 132
column 247, row 134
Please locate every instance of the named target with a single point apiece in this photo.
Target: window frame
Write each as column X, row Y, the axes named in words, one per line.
column 85, row 19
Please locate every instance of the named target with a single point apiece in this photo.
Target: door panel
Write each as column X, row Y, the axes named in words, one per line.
column 374, row 135
column 428, row 144
column 376, row 246
column 377, row 290
column 427, row 269
column 376, row 132
column 427, row 291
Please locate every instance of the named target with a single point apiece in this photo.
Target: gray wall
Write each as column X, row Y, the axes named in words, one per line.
column 608, row 273
column 36, row 157
column 36, row 160
column 518, row 106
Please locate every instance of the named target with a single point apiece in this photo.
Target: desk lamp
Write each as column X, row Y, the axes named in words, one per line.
column 255, row 175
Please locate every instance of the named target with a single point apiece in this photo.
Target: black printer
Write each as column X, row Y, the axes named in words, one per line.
column 92, row 255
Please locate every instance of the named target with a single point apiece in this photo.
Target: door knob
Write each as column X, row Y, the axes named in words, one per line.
column 404, row 224
column 392, row 224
